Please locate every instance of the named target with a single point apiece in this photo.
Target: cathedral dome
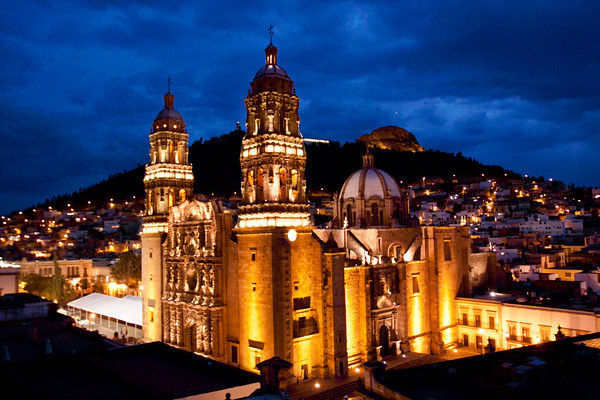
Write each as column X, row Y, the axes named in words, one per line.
column 271, row 69
column 369, row 182
column 168, row 113
column 168, row 117
column 271, row 77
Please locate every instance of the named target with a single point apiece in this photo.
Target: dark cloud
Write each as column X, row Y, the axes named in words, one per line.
column 510, row 83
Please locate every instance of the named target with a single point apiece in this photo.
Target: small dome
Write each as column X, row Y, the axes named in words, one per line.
column 368, row 182
column 168, row 118
column 168, row 113
column 271, row 70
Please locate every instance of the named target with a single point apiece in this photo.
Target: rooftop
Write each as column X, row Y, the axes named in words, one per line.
column 553, row 370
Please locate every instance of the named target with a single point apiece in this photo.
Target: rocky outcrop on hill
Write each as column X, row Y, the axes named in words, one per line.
column 391, row 138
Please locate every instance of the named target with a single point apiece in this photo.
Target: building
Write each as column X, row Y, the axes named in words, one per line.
column 73, row 270
column 507, row 322
column 168, row 181
column 68, row 268
column 271, row 284
column 563, row 369
column 9, row 278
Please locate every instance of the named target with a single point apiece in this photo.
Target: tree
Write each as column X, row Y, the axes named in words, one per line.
column 38, row 285
column 53, row 288
column 84, row 283
column 128, row 269
column 59, row 288
column 98, row 286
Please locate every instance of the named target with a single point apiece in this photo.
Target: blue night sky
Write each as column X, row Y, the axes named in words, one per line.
column 509, row 82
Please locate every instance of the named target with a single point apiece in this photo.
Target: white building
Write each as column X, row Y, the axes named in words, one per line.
column 545, row 227
column 509, row 324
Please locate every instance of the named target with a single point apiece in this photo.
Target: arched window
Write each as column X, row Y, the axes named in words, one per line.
column 350, row 215
column 259, row 178
column 384, row 340
column 178, row 153
column 181, row 195
column 171, row 152
column 374, row 214
column 282, row 180
column 163, row 151
column 153, row 153
column 151, row 199
column 282, row 185
column 294, row 179
column 250, row 179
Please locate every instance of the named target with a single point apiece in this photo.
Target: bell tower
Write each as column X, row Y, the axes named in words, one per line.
column 278, row 272
column 273, row 157
column 169, row 179
column 168, row 182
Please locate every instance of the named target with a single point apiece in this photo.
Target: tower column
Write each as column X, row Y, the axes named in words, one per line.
column 166, row 176
column 276, row 147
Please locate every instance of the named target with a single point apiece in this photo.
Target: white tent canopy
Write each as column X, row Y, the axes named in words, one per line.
column 127, row 309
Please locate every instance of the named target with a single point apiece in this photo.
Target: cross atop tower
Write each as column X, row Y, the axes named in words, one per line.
column 169, row 81
column 270, row 33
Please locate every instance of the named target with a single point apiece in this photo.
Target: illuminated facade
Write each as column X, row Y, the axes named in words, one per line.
column 193, row 295
column 168, row 181
column 273, row 285
column 400, row 288
column 273, row 157
column 506, row 322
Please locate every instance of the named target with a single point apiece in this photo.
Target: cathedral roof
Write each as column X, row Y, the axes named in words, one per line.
column 271, row 69
column 168, row 117
column 168, row 112
column 370, row 181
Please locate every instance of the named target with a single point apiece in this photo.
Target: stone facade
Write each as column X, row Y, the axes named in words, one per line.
column 324, row 299
column 168, row 182
column 273, row 157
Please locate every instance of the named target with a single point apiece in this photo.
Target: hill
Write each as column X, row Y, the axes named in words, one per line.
column 216, row 169
column 391, row 138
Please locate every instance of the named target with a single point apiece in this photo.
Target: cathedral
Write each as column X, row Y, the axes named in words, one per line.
column 244, row 285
